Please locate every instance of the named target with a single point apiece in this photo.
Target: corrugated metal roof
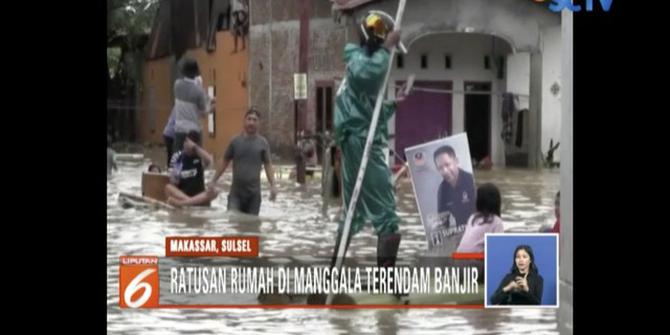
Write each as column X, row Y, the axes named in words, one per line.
column 181, row 25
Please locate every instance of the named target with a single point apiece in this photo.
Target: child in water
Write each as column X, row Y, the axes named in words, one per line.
column 485, row 220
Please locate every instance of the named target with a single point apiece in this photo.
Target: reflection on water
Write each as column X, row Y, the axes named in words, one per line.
column 294, row 225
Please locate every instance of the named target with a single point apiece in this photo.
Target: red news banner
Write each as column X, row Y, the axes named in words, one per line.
column 199, row 246
column 140, row 285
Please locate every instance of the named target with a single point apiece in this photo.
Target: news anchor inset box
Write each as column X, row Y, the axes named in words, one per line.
column 521, row 270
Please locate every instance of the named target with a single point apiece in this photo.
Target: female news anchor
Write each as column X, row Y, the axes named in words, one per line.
column 523, row 285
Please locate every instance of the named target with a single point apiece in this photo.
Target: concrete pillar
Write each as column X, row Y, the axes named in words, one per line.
column 497, row 146
column 535, row 108
column 458, row 108
column 565, row 274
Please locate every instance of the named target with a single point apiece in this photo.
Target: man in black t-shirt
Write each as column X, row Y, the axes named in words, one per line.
column 187, row 175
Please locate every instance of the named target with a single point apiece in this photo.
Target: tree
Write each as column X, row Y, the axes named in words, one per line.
column 128, row 27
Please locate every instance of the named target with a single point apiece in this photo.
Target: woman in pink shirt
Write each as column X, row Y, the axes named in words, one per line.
column 485, row 220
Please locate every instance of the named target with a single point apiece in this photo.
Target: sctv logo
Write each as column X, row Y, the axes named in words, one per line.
column 559, row 5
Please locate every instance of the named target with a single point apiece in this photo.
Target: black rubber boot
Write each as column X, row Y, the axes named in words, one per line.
column 387, row 252
column 387, row 249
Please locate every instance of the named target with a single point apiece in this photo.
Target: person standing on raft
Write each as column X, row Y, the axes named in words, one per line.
column 366, row 67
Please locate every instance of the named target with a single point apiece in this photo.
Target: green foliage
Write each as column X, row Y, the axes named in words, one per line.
column 130, row 18
column 113, row 60
column 127, row 22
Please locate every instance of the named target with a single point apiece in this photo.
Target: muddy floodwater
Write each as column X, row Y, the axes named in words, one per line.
column 296, row 225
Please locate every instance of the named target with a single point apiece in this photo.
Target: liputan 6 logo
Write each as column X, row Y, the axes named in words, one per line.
column 138, row 282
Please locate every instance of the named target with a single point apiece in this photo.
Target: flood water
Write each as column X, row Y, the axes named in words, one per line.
column 294, row 225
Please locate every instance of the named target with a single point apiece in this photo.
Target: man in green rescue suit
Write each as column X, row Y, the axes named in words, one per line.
column 366, row 66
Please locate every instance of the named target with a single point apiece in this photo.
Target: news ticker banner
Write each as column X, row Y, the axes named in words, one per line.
column 220, row 272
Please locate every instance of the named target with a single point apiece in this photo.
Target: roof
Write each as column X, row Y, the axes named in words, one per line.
column 348, row 4
column 181, row 25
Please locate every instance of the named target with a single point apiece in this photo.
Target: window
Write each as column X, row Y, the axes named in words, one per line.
column 400, row 61
column 424, row 61
column 487, row 62
column 501, row 67
column 447, row 61
column 223, row 20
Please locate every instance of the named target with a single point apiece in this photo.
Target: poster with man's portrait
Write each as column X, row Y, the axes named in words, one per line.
column 444, row 188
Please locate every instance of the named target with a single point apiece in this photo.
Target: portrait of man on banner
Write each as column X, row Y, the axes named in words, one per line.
column 444, row 189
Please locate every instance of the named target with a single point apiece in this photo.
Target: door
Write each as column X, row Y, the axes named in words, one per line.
column 423, row 116
column 324, row 113
column 478, row 118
